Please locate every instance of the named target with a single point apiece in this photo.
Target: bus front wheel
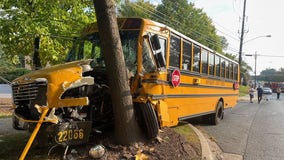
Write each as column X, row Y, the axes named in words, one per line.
column 147, row 119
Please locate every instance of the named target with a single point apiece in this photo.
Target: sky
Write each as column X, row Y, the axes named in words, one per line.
column 262, row 18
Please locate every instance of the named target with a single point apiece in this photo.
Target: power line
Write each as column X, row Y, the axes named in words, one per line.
column 235, row 38
column 151, row 13
column 266, row 55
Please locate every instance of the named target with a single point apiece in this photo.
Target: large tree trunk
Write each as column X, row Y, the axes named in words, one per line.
column 126, row 128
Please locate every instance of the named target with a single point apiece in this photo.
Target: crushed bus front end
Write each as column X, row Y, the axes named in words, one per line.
column 64, row 91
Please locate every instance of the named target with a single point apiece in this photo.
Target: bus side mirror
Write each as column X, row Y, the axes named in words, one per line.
column 160, row 59
column 155, row 42
column 156, row 46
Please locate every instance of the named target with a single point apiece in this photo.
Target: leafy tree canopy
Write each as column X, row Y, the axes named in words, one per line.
column 271, row 75
column 140, row 8
column 268, row 72
column 189, row 20
column 56, row 23
column 8, row 71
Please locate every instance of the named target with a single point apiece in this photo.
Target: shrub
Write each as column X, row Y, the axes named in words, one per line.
column 11, row 73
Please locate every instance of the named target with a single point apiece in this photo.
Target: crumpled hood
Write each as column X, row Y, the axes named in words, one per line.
column 59, row 79
column 70, row 67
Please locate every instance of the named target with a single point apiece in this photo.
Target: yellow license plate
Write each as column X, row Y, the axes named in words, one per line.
column 70, row 135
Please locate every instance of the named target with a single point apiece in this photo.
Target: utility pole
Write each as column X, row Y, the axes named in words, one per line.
column 255, row 60
column 255, row 57
column 242, row 34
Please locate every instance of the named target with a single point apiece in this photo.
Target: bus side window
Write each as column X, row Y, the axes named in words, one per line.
column 231, row 71
column 235, row 72
column 196, row 58
column 211, row 63
column 187, row 52
column 218, row 65
column 227, row 69
column 175, row 51
column 223, row 68
column 204, row 60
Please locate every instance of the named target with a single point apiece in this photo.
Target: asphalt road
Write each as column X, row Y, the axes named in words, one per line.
column 6, row 127
column 255, row 131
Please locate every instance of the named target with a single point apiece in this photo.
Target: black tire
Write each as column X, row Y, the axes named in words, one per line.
column 15, row 123
column 216, row 117
column 147, row 119
column 219, row 114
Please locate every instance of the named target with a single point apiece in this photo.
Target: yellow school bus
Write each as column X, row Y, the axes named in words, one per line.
column 171, row 76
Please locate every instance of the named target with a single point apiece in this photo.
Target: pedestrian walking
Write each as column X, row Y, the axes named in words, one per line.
column 251, row 94
column 259, row 94
column 278, row 91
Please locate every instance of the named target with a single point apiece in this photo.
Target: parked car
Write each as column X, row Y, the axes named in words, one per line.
column 266, row 90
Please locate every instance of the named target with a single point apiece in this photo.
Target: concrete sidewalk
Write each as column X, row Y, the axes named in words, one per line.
column 210, row 150
column 245, row 98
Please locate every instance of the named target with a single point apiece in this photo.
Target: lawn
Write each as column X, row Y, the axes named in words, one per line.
column 243, row 90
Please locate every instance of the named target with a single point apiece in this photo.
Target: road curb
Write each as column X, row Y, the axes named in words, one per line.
column 205, row 148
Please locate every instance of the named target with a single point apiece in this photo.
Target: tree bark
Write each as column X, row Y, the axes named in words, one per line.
column 126, row 127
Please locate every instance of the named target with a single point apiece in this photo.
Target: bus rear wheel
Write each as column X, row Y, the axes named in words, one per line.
column 219, row 114
column 216, row 117
column 147, row 119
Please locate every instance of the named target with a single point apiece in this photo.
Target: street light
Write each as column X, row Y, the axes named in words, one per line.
column 257, row 38
column 255, row 57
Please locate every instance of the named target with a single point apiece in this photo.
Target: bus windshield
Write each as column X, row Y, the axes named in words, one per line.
column 89, row 47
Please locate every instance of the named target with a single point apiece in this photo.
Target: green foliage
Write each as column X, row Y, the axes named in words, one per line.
column 271, row 75
column 268, row 72
column 10, row 71
column 56, row 22
column 13, row 73
column 140, row 8
column 243, row 90
column 244, row 71
column 233, row 57
column 224, row 42
column 191, row 21
column 184, row 129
